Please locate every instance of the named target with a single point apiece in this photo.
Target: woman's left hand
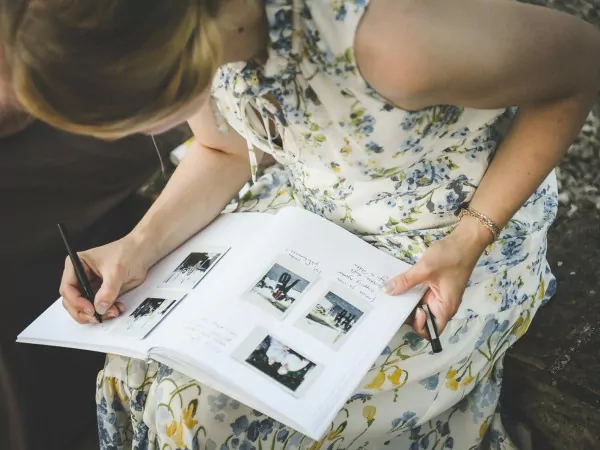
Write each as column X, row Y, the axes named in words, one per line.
column 445, row 268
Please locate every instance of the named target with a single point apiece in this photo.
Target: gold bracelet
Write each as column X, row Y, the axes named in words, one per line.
column 483, row 220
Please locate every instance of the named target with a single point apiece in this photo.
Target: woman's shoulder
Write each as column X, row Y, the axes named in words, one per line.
column 333, row 23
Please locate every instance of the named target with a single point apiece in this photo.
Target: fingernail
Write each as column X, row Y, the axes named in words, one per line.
column 102, row 308
column 111, row 314
column 89, row 311
column 93, row 320
column 389, row 286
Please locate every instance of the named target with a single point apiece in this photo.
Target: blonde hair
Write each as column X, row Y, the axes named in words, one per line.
column 109, row 68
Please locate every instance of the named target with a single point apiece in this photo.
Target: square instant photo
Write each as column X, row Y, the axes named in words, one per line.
column 280, row 286
column 147, row 315
column 193, row 268
column 281, row 364
column 334, row 316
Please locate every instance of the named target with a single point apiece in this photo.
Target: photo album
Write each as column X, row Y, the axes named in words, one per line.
column 283, row 312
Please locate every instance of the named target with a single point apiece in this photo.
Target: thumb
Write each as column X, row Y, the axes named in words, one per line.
column 407, row 280
column 107, row 294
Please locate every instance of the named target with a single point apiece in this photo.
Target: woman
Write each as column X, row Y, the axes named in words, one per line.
column 388, row 117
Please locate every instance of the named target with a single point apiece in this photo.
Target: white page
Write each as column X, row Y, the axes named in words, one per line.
column 55, row 327
column 220, row 321
column 216, row 319
column 391, row 312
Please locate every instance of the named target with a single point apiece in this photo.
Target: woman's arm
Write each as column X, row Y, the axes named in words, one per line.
column 213, row 171
column 483, row 54
column 489, row 54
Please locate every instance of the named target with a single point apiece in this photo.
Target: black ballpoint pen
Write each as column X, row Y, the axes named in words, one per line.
column 432, row 331
column 79, row 272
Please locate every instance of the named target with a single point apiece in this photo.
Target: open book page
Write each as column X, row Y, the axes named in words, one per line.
column 292, row 326
column 157, row 300
column 56, row 328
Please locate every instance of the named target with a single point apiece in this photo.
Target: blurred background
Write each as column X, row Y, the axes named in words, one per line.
column 551, row 396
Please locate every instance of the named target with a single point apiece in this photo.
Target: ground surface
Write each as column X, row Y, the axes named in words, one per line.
column 553, row 373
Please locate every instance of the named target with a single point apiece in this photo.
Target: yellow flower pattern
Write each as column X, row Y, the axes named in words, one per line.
column 333, row 434
column 394, row 178
column 398, row 377
column 452, row 384
column 175, row 432
column 369, row 412
column 189, row 413
column 378, row 381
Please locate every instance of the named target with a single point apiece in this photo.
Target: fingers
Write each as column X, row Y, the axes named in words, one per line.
column 80, row 308
column 69, row 279
column 410, row 319
column 421, row 317
column 441, row 309
column 419, row 323
column 416, row 275
column 107, row 294
column 444, row 303
column 80, row 315
column 112, row 312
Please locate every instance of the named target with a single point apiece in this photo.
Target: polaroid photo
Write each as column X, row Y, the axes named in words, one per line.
column 280, row 286
column 267, row 355
column 147, row 315
column 193, row 268
column 334, row 316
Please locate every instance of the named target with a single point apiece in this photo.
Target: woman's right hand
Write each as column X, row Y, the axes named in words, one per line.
column 213, row 171
column 112, row 269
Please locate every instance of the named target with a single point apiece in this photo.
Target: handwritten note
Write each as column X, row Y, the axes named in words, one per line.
column 362, row 281
column 305, row 260
column 211, row 333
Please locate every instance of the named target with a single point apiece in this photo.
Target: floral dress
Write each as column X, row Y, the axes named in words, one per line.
column 394, row 178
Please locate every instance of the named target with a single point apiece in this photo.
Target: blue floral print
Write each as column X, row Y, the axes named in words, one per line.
column 395, row 178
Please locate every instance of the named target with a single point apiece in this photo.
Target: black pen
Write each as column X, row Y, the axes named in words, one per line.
column 81, row 276
column 432, row 331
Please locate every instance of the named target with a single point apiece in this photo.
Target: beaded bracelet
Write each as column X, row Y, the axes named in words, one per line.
column 483, row 220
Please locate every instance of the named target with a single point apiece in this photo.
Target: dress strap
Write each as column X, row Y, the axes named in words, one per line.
column 296, row 49
column 297, row 7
